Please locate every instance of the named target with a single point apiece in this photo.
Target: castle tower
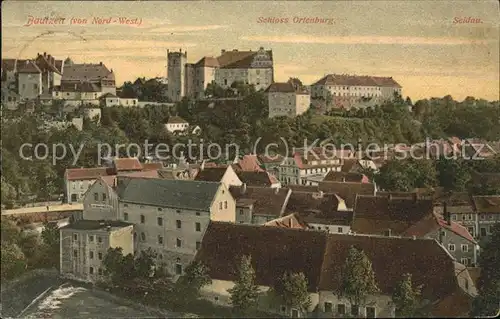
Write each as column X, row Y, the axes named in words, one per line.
column 176, row 62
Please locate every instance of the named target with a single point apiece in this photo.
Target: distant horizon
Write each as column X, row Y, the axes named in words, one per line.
column 430, row 48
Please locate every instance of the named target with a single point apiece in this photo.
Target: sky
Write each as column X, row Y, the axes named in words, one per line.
column 418, row 43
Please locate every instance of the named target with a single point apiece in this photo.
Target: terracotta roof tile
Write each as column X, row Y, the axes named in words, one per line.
column 85, row 173
column 289, row 221
column 152, row 166
column 250, row 163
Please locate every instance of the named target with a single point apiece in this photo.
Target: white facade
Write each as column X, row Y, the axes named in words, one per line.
column 30, row 85
column 129, row 102
column 290, row 173
column 173, row 127
column 288, row 104
column 75, row 189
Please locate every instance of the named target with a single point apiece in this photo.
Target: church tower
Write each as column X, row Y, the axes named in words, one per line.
column 176, row 62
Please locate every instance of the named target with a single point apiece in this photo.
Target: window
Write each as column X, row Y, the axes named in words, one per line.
column 454, row 216
column 91, row 254
column 220, row 205
column 178, row 223
column 75, row 237
column 354, row 310
column 481, row 216
column 91, row 238
column 198, row 227
column 490, row 217
column 283, row 308
column 241, row 211
column 91, row 270
column 160, row 240
column 143, row 236
column 465, row 248
column 99, row 239
column 143, row 219
column 198, row 245
column 225, row 204
column 96, row 197
column 160, row 221
column 464, row 261
column 35, row 86
column 178, row 268
column 103, row 197
column 178, row 211
column 178, row 243
column 370, row 312
column 471, row 230
column 75, row 253
column 340, row 230
column 451, row 247
column 341, row 309
column 159, row 209
column 328, row 307
column 197, row 213
column 99, row 271
column 125, row 205
column 125, row 216
column 141, row 206
column 483, row 231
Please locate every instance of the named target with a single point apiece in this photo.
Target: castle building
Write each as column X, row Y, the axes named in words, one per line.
column 191, row 79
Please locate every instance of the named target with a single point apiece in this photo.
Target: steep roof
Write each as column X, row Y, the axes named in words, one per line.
column 377, row 214
column 305, row 202
column 28, row 67
column 267, row 201
column 176, row 120
column 181, row 194
column 239, row 59
column 211, row 174
column 85, row 173
column 87, row 72
column 428, row 263
column 434, row 222
column 334, row 176
column 354, row 80
column 152, row 166
column 80, row 87
column 347, row 190
column 208, row 62
column 289, row 221
column 274, row 250
column 285, row 87
column 250, row 163
column 487, row 204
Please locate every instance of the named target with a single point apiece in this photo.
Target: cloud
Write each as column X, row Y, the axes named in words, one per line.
column 364, row 40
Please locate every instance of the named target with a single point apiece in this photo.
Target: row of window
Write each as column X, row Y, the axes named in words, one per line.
column 465, row 248
column 159, row 221
column 96, row 197
column 471, row 217
column 160, row 240
column 91, row 254
column 341, row 310
column 91, row 238
column 340, row 230
column 99, row 271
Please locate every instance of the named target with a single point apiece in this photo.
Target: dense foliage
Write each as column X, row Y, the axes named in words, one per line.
column 241, row 119
column 406, row 298
column 245, row 292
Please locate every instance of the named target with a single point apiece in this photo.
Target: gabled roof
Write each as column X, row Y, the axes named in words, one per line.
column 108, row 95
column 487, row 204
column 211, row 174
column 87, row 72
column 28, row 67
column 80, row 87
column 377, row 214
column 321, row 256
column 354, row 80
column 260, row 178
column 289, row 221
column 347, row 190
column 180, row 194
column 306, row 202
column 176, row 120
column 208, row 62
column 430, row 224
column 267, row 201
column 250, row 163
column 85, row 173
column 334, row 176
column 428, row 263
column 239, row 59
column 274, row 250
column 127, row 164
column 285, row 87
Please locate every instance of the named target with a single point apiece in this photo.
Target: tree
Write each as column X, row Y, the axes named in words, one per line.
column 144, row 263
column 292, row 288
column 453, row 175
column 487, row 303
column 357, row 277
column 10, row 232
column 406, row 297
column 51, row 248
column 245, row 292
column 13, row 262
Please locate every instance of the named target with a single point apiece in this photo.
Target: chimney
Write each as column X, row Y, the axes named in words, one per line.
column 414, row 237
column 180, row 50
column 389, row 197
column 45, row 54
column 100, row 63
column 415, row 197
column 202, row 166
column 244, row 188
column 446, row 213
column 222, row 51
column 343, row 179
column 108, row 228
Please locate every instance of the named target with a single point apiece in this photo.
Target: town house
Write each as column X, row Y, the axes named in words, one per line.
column 287, row 99
column 487, row 209
column 84, row 243
column 170, row 216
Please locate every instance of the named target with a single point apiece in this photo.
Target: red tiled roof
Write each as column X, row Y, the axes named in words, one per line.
column 271, row 159
column 434, row 222
column 289, row 221
column 238, row 59
column 208, row 62
column 250, row 163
column 487, row 204
column 87, row 72
column 152, row 166
column 354, row 80
column 127, row 164
column 85, row 173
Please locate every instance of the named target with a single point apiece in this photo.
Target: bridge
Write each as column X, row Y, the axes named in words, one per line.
column 40, row 214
